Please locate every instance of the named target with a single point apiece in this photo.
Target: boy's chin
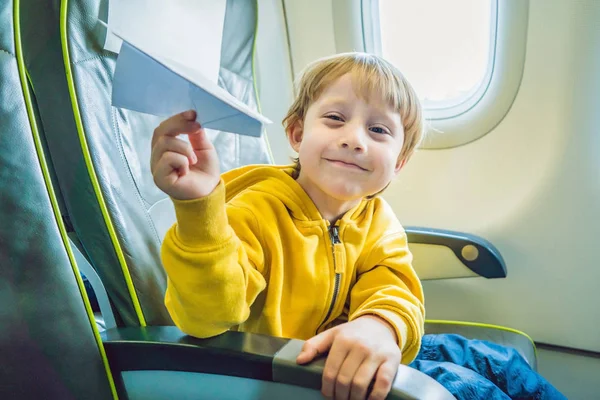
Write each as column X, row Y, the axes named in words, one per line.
column 347, row 194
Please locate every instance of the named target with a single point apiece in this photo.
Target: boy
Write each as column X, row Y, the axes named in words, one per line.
column 307, row 249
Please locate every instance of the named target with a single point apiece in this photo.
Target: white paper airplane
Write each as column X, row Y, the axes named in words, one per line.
column 151, row 84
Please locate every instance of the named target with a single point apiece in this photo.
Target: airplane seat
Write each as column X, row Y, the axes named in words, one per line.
column 117, row 212
column 100, row 155
column 48, row 342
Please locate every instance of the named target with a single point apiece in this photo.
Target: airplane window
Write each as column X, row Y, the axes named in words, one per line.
column 464, row 57
column 445, row 48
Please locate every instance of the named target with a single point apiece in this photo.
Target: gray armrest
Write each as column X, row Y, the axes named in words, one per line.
column 237, row 354
column 441, row 254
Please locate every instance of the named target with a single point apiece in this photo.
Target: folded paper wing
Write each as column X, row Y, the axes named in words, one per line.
column 156, row 85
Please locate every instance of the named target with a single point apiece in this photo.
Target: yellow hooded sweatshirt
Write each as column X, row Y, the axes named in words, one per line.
column 256, row 256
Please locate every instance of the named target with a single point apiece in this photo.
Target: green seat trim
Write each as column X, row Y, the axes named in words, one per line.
column 483, row 325
column 64, row 6
column 46, row 174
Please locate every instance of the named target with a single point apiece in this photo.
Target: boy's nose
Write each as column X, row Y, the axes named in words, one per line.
column 354, row 141
column 356, row 147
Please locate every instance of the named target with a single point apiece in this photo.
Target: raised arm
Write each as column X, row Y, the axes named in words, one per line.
column 212, row 266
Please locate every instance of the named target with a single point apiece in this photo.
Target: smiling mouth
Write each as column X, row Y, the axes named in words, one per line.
column 346, row 165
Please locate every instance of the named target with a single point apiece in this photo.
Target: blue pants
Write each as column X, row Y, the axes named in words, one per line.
column 477, row 369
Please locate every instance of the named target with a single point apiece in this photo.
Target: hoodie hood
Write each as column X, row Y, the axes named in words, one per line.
column 278, row 181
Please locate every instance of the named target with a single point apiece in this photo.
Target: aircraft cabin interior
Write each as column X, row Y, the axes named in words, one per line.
column 407, row 191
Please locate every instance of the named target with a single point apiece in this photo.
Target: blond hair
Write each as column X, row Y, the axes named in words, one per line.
column 371, row 75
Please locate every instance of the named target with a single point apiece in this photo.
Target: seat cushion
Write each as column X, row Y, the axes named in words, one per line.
column 492, row 333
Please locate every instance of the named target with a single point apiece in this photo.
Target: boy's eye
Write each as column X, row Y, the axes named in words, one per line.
column 334, row 117
column 378, row 129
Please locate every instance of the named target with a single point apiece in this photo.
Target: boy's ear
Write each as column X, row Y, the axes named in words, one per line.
column 399, row 164
column 295, row 133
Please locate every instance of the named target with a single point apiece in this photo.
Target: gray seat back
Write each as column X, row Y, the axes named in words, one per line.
column 101, row 154
column 48, row 342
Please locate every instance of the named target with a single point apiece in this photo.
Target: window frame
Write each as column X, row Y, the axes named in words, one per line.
column 463, row 122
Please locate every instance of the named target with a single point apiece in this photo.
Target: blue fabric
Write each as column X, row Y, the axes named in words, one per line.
column 477, row 369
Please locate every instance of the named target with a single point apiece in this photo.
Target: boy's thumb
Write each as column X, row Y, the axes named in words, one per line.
column 199, row 140
column 316, row 346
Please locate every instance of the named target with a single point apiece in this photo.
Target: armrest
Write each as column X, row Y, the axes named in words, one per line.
column 238, row 354
column 441, row 254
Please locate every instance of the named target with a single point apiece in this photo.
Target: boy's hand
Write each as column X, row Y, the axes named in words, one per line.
column 181, row 170
column 363, row 350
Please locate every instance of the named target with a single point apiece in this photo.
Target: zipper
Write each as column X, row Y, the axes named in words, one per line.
column 335, row 249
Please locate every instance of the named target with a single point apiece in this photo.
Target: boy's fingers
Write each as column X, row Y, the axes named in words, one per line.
column 170, row 167
column 316, row 345
column 190, row 115
column 384, row 380
column 362, row 380
column 177, row 161
column 347, row 373
column 199, row 140
column 176, row 125
column 174, row 145
column 335, row 359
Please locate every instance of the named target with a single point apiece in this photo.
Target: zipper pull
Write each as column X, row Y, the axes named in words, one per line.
column 334, row 233
column 338, row 257
column 339, row 261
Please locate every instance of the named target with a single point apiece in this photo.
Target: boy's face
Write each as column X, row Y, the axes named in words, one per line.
column 348, row 147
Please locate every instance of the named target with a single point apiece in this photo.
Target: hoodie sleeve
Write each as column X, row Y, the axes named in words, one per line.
column 213, row 258
column 388, row 287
